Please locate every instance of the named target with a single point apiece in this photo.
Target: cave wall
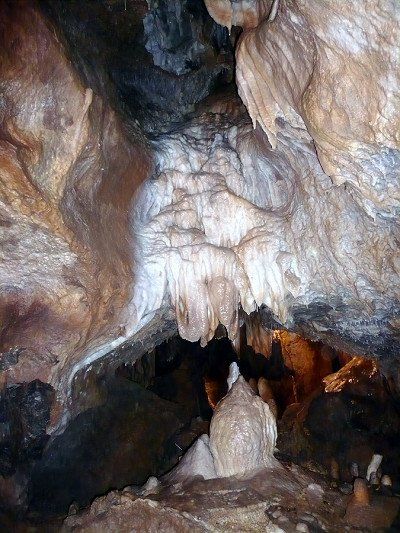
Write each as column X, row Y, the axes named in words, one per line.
column 332, row 65
column 68, row 172
column 153, row 60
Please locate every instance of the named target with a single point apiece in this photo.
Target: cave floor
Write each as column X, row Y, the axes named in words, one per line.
column 286, row 498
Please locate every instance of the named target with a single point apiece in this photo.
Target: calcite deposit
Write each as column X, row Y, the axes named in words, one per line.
column 230, row 220
column 197, row 462
column 332, row 67
column 296, row 217
column 242, row 432
column 143, row 192
column 285, row 499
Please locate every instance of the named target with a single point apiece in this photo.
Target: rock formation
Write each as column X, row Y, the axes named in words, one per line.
column 242, row 432
column 142, row 192
column 197, row 462
column 68, row 172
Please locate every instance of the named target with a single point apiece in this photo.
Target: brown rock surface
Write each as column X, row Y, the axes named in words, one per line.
column 68, row 171
column 333, row 65
column 306, row 361
column 296, row 217
column 347, row 420
column 291, row 240
column 272, row 500
column 233, row 215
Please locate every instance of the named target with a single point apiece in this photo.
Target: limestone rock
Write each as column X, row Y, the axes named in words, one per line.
column 68, row 171
column 291, row 68
column 242, row 432
column 245, row 13
column 273, row 501
column 197, row 461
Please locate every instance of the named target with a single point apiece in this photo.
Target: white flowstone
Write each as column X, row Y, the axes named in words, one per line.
column 228, row 222
column 151, row 486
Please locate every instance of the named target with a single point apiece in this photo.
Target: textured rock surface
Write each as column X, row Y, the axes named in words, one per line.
column 242, row 432
column 272, row 501
column 226, row 219
column 197, row 461
column 244, row 13
column 295, row 218
column 123, row 441
column 306, row 361
column 24, row 416
column 229, row 220
column 67, row 174
column 333, row 68
column 350, row 418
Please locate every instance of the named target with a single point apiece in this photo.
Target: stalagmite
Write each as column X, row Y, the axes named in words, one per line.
column 386, row 485
column 152, row 486
column 107, row 233
column 360, row 494
column 197, row 461
column 386, row 481
column 266, row 394
column 242, row 432
column 374, row 465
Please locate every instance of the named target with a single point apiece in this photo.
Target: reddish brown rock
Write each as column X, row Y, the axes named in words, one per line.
column 307, row 361
column 68, row 171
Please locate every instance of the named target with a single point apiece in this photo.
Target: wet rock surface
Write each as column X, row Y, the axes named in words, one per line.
column 24, row 417
column 141, row 421
column 139, row 196
column 90, row 258
column 206, row 263
column 353, row 123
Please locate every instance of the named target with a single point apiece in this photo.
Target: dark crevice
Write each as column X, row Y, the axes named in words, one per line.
column 154, row 64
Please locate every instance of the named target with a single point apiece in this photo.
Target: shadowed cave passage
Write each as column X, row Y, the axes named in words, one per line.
column 147, row 416
column 333, row 411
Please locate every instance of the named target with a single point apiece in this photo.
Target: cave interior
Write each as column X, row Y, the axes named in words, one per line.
column 199, row 265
